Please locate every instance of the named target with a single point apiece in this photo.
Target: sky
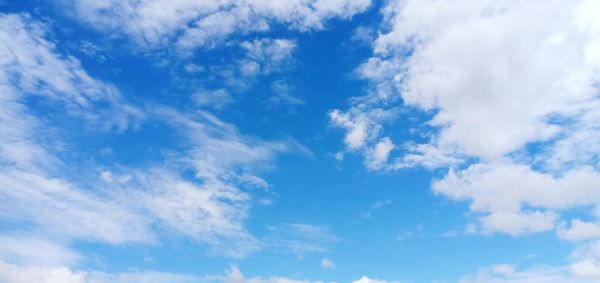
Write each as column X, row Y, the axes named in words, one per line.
column 299, row 141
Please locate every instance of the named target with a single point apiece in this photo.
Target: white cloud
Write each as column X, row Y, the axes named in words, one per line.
column 299, row 238
column 380, row 153
column 327, row 263
column 485, row 67
column 534, row 275
column 511, row 88
column 35, row 251
column 31, row 188
column 118, row 205
column 213, row 98
column 579, row 230
column 59, row 207
column 584, row 271
column 516, row 199
column 257, row 58
column 270, row 54
column 11, row 273
column 357, row 132
column 366, row 279
column 283, row 95
column 234, row 275
column 192, row 24
column 31, row 65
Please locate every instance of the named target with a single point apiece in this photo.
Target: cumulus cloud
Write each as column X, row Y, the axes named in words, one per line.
column 511, row 92
column 502, row 191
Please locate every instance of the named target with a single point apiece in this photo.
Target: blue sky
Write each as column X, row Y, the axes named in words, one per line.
column 265, row 141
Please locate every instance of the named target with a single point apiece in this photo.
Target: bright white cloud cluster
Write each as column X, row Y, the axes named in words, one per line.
column 191, row 24
column 498, row 79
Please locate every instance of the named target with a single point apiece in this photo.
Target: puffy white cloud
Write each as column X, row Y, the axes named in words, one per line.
column 579, row 230
column 380, row 153
column 357, row 132
column 495, row 73
column 192, row 24
column 511, row 91
column 516, row 199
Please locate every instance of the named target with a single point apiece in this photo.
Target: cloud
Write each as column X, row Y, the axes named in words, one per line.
column 58, row 207
column 579, row 230
column 366, row 279
column 375, row 206
column 35, row 251
column 31, row 186
column 299, row 238
column 511, row 97
column 32, row 66
column 283, row 95
column 326, row 263
column 194, row 24
column 11, row 273
column 583, row 267
column 250, row 61
column 212, row 98
column 507, row 274
column 485, row 72
column 380, row 153
column 266, row 55
column 516, row 199
column 234, row 275
column 197, row 191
